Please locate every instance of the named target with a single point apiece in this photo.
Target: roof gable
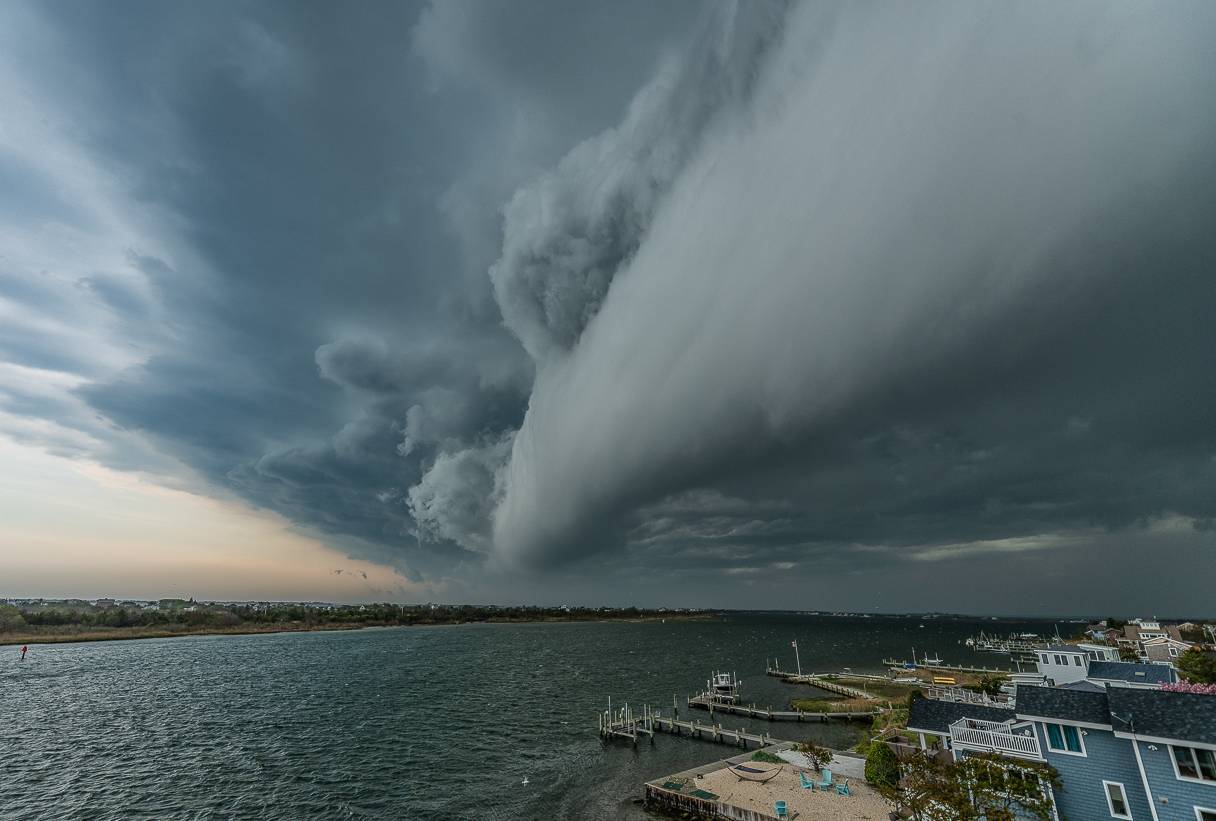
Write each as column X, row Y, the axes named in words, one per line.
column 1163, row 714
column 1130, row 672
column 1066, row 705
column 935, row 716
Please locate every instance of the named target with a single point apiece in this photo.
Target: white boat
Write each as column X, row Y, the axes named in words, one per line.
column 724, row 687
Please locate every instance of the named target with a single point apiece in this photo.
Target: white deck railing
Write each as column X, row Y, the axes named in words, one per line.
column 965, row 696
column 991, row 736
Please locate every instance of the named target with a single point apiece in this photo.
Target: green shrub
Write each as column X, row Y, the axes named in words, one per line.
column 761, row 755
column 882, row 767
column 819, row 756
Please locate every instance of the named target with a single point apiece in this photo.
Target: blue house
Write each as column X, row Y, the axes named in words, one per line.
column 1122, row 752
column 1127, row 752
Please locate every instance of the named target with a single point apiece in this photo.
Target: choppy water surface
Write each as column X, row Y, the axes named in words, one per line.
column 412, row 723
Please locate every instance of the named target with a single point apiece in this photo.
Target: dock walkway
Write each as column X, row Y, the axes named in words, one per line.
column 701, row 702
column 897, row 664
column 631, row 726
column 823, row 682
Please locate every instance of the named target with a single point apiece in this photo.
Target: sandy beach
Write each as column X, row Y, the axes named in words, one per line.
column 863, row 803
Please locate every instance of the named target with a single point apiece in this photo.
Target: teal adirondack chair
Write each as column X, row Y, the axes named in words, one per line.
column 843, row 789
column 782, row 812
column 825, row 783
column 807, row 784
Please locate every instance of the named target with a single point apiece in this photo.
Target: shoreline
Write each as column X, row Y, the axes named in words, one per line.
column 136, row 633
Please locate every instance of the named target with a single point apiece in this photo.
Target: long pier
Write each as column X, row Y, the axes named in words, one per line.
column 714, row 732
column 631, row 726
column 947, row 668
column 821, row 681
column 702, row 702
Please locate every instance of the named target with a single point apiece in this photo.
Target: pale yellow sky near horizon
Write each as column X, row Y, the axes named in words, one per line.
column 72, row 528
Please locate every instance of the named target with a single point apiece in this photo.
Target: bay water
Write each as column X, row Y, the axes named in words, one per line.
column 405, row 723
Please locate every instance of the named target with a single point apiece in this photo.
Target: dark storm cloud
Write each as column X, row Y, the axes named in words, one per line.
column 763, row 296
column 942, row 243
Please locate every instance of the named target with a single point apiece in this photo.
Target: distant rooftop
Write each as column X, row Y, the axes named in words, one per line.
column 1063, row 648
column 1131, row 672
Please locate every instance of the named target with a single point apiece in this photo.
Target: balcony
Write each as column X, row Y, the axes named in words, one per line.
column 992, row 737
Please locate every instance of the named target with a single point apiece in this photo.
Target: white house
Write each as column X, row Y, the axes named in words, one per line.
column 1072, row 665
column 1063, row 663
column 1099, row 652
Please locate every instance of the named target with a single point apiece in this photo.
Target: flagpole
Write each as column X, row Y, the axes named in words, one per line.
column 797, row 659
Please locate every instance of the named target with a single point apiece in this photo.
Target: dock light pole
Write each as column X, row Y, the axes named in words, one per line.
column 797, row 660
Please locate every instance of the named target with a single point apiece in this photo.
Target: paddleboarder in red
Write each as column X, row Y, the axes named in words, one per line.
column 24, row 650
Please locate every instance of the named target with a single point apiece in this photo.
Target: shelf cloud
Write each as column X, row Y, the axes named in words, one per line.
column 560, row 299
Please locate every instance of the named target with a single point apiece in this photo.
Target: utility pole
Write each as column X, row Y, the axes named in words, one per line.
column 797, row 660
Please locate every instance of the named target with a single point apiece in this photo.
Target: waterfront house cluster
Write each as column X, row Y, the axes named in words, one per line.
column 1124, row 748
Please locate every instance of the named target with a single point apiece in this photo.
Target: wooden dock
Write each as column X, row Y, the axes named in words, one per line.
column 895, row 664
column 714, row 732
column 701, row 702
column 624, row 723
column 821, row 681
column 630, row 725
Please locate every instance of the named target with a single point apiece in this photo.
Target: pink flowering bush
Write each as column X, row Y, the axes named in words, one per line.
column 1189, row 687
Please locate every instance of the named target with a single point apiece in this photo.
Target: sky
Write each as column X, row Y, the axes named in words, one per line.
column 822, row 305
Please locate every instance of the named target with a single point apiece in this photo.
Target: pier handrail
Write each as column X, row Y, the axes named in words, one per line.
column 965, row 696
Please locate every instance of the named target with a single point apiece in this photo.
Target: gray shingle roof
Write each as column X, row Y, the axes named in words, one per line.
column 1130, row 671
column 936, row 716
column 1184, row 716
column 1068, row 705
column 1088, row 686
column 1062, row 648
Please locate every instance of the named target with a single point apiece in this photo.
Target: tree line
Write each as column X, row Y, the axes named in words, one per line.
column 228, row 615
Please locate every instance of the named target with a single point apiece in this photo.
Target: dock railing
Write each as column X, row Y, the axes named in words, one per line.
column 962, row 695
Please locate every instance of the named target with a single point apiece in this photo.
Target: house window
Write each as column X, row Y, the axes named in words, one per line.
column 1044, row 657
column 1194, row 764
column 1116, row 800
column 1173, row 651
column 1204, row 814
column 1076, row 660
column 1064, row 738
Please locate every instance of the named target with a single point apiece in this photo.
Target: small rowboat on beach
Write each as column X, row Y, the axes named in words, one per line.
column 755, row 770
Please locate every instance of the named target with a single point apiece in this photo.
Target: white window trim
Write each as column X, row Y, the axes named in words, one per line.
column 1178, row 774
column 1110, row 805
column 1066, row 751
column 1198, row 810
